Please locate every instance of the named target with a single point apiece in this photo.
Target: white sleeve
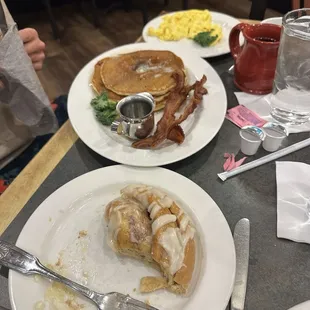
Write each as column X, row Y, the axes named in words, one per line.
column 8, row 16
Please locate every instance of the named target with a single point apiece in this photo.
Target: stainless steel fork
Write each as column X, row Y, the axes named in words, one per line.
column 25, row 263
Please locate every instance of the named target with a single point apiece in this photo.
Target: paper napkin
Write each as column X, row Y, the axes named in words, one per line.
column 293, row 201
column 20, row 88
column 303, row 306
column 25, row 111
column 260, row 105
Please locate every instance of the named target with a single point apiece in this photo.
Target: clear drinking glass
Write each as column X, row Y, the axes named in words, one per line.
column 290, row 100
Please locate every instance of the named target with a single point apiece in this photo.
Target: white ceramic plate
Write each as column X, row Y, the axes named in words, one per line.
column 226, row 21
column 273, row 20
column 199, row 128
column 303, row 306
column 54, row 227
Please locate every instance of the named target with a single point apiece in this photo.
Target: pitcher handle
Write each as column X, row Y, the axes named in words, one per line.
column 234, row 43
column 116, row 126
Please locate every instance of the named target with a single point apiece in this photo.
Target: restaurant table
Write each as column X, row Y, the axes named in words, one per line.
column 279, row 270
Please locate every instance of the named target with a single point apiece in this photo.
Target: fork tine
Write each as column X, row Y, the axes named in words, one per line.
column 134, row 302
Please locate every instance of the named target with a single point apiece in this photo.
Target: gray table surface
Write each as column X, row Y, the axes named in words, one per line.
column 279, row 270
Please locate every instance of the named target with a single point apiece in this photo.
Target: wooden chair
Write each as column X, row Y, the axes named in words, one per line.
column 55, row 29
column 185, row 4
column 124, row 3
column 259, row 7
column 297, row 4
column 52, row 19
column 145, row 12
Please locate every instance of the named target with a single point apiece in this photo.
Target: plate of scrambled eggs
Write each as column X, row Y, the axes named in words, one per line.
column 201, row 30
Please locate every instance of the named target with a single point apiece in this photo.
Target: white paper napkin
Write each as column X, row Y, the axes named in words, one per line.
column 260, row 105
column 293, row 201
column 303, row 306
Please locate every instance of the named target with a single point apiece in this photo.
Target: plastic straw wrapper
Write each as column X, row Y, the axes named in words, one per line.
column 266, row 159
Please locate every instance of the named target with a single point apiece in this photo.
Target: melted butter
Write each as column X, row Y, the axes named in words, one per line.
column 157, row 193
column 113, row 227
column 142, row 68
column 180, row 213
column 166, row 202
column 184, row 222
column 145, row 67
column 118, row 208
column 168, row 69
column 161, row 221
column 153, row 204
column 154, row 211
column 143, row 198
column 174, row 243
column 142, row 193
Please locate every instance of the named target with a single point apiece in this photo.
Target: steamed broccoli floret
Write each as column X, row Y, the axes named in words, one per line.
column 205, row 38
column 106, row 117
column 104, row 109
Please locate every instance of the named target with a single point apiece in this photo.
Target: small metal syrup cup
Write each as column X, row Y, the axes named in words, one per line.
column 136, row 119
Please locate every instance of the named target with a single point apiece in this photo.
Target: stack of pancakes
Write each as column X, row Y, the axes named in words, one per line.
column 142, row 71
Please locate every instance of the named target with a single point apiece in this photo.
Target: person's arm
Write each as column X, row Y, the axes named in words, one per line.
column 34, row 47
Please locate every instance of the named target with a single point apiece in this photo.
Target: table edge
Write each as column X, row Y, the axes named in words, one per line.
column 33, row 175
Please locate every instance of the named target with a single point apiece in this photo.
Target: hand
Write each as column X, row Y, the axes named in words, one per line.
column 34, row 47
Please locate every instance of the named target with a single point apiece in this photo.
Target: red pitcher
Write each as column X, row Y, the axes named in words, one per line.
column 255, row 61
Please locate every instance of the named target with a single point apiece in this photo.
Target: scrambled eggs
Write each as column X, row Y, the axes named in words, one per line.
column 186, row 24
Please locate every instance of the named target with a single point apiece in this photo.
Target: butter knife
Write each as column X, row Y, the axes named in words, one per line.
column 242, row 245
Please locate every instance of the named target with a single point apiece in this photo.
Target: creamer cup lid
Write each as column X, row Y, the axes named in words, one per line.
column 254, row 131
column 276, row 127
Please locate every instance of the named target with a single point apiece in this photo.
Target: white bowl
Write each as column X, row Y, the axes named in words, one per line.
column 273, row 20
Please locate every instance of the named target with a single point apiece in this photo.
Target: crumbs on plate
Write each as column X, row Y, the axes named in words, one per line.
column 39, row 305
column 72, row 304
column 59, row 262
column 82, row 234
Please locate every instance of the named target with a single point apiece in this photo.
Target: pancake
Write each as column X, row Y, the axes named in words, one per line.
column 141, row 71
column 99, row 88
column 98, row 85
column 159, row 105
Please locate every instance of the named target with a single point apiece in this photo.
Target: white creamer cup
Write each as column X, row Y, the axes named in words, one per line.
column 251, row 139
column 275, row 133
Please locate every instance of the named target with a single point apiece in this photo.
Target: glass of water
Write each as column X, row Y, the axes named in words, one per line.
column 290, row 100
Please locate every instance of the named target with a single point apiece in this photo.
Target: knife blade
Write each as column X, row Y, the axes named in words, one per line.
column 242, row 245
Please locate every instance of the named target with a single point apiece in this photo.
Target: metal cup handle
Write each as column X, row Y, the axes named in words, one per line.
column 116, row 126
column 147, row 95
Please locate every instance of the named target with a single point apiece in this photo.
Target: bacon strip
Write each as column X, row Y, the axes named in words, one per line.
column 168, row 126
column 176, row 135
column 199, row 92
column 174, row 101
